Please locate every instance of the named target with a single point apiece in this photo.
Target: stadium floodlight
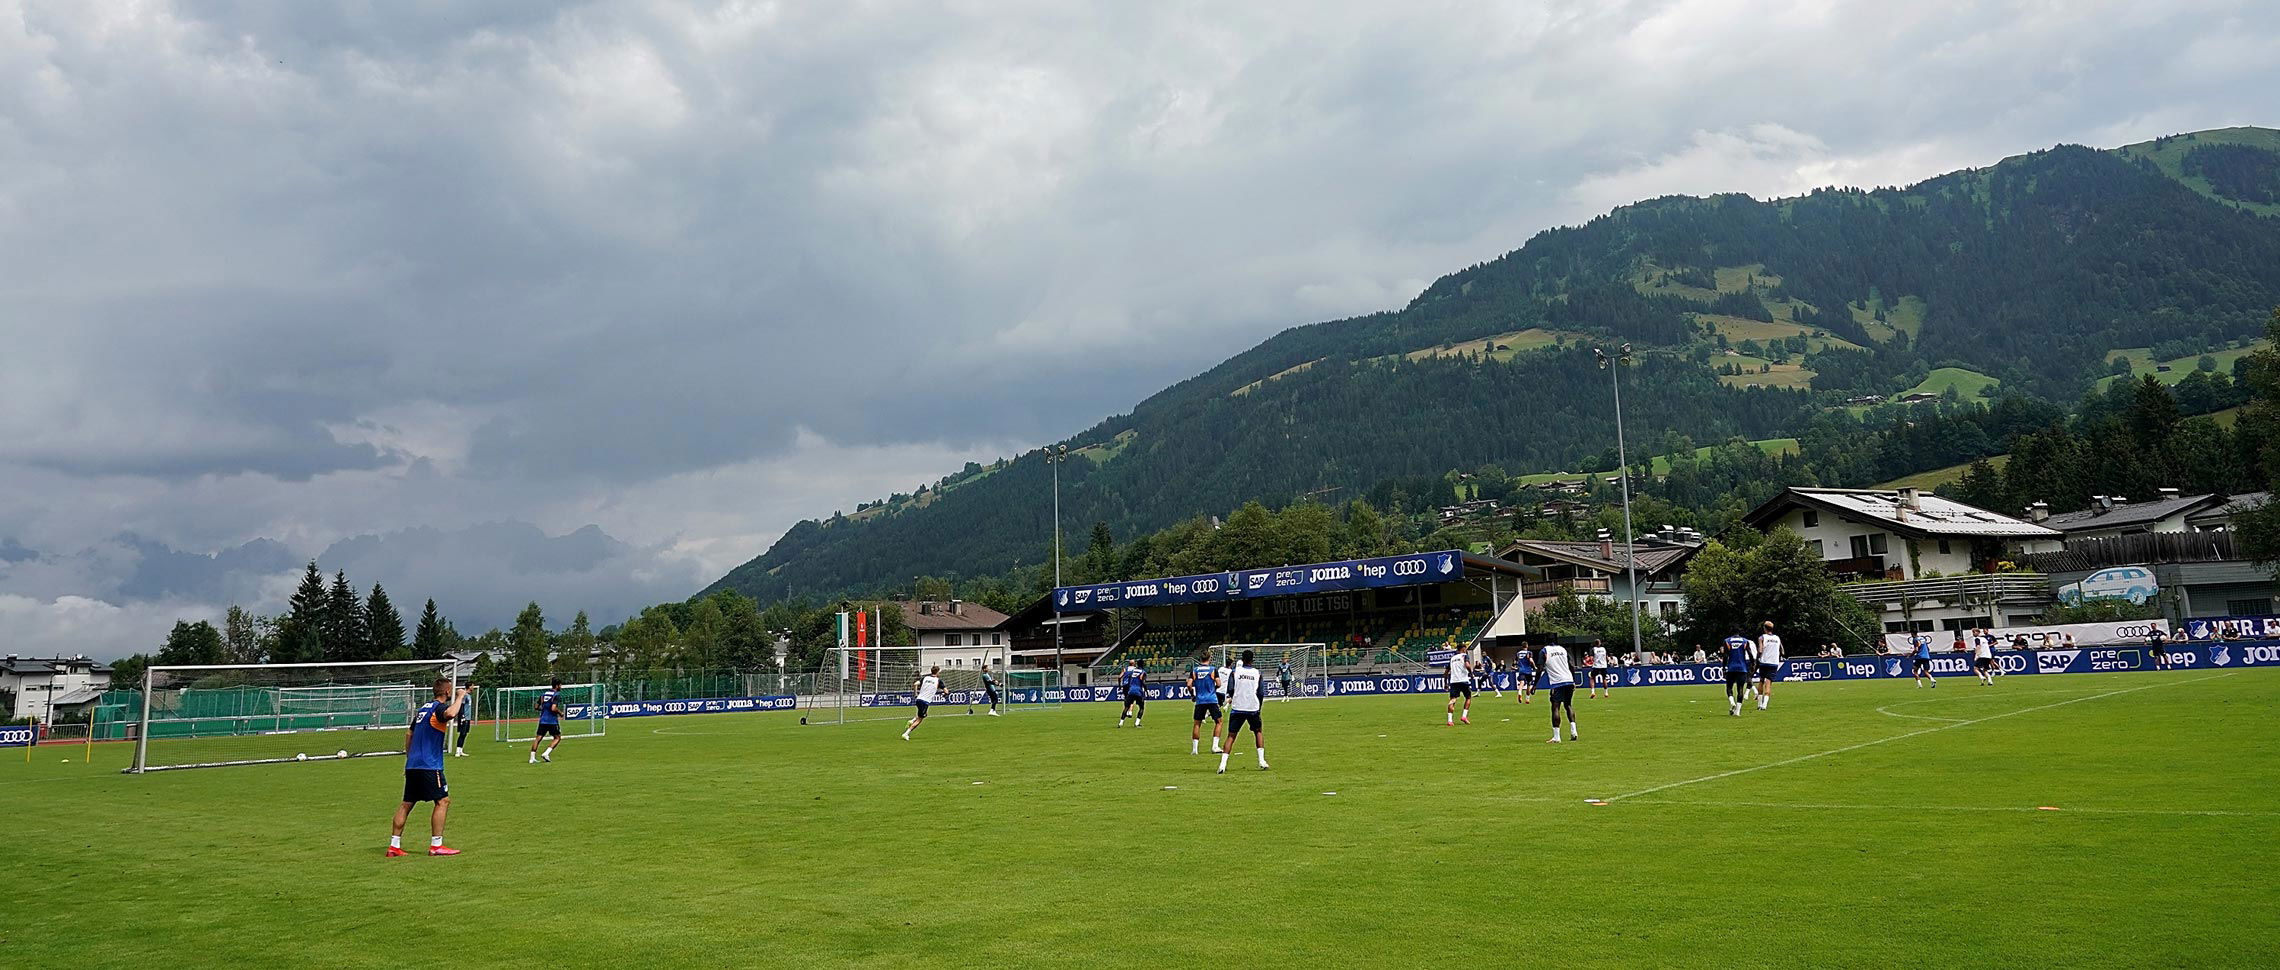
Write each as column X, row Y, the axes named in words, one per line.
column 220, row 715
column 1309, row 667
column 874, row 683
column 585, row 711
column 1610, row 363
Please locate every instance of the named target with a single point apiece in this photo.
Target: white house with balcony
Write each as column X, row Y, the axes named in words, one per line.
column 1921, row 561
column 954, row 633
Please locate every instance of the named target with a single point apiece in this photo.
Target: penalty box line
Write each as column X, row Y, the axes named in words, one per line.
column 1839, row 807
column 1902, row 737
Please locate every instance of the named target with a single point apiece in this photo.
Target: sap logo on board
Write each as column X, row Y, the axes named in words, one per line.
column 1256, row 580
column 1329, row 572
column 2056, row 661
column 1084, row 596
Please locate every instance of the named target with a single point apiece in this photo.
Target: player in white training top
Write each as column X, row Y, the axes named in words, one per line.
column 1602, row 675
column 1983, row 659
column 926, row 691
column 1559, row 678
column 1459, row 668
column 1243, row 694
column 1769, row 664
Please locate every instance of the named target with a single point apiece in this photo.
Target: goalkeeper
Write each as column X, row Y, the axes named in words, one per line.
column 466, row 721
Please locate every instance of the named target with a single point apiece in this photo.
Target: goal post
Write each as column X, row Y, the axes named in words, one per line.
column 1307, row 666
column 1033, row 689
column 875, row 683
column 585, row 711
column 247, row 714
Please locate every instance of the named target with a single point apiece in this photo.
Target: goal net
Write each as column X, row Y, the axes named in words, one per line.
column 585, row 711
column 1288, row 670
column 876, row 683
column 249, row 714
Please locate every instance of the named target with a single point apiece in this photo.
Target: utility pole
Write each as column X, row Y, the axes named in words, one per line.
column 1612, row 365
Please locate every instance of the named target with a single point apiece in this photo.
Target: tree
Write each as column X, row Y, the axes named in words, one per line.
column 1571, row 617
column 383, row 628
column 344, row 622
column 575, row 648
column 246, row 637
column 127, row 674
column 191, row 644
column 2258, row 431
column 427, row 642
column 301, row 631
column 1730, row 592
column 702, row 641
column 527, row 646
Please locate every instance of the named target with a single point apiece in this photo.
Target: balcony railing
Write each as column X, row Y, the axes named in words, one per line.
column 1583, row 587
column 1953, row 590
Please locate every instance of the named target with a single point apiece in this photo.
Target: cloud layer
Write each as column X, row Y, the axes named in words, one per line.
column 689, row 272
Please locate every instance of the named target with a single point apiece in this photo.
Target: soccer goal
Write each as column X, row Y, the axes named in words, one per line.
column 585, row 711
column 1305, row 667
column 253, row 714
column 1033, row 690
column 876, row 683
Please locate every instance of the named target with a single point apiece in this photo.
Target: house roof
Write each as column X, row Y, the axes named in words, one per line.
column 1933, row 517
column 936, row 615
column 2125, row 514
column 2232, row 506
column 1652, row 558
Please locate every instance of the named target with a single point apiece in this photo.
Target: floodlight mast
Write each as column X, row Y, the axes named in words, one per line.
column 1610, row 364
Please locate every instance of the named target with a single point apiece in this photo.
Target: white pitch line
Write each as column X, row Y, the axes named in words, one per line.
column 1889, row 712
column 1694, row 803
column 1903, row 737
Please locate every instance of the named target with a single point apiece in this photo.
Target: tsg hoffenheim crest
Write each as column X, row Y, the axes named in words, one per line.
column 2221, row 656
column 1448, row 564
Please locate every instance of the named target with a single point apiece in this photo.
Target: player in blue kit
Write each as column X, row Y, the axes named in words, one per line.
column 1524, row 675
column 1739, row 650
column 1134, row 686
column 549, row 723
column 1923, row 665
column 1203, row 685
column 423, row 768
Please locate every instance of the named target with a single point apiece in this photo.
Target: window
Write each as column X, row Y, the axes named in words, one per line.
column 2248, row 607
column 1818, row 551
column 951, row 640
column 1944, row 550
column 1669, row 609
column 1812, row 519
column 1873, row 544
column 997, row 639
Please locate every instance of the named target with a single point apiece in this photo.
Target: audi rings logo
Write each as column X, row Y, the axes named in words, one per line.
column 2012, row 663
column 2138, row 630
column 1394, row 685
column 1409, row 567
column 1206, row 585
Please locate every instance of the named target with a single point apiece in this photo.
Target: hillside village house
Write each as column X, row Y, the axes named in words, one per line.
column 1600, row 569
column 1920, row 561
column 2175, row 552
column 46, row 688
column 2113, row 515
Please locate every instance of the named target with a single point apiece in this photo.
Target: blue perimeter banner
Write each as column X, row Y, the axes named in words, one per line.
column 2083, row 661
column 1328, row 577
column 15, row 736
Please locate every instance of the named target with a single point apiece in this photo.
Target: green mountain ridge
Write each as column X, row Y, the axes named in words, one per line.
column 1753, row 319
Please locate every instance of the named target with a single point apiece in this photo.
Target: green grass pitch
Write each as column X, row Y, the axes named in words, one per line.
column 1854, row 824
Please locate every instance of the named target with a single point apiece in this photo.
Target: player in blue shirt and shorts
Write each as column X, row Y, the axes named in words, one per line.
column 1739, row 650
column 1923, row 664
column 1134, row 686
column 423, row 768
column 1524, row 675
column 1203, row 684
column 549, row 723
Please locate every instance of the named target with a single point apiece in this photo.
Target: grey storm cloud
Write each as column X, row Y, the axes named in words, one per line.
column 690, row 271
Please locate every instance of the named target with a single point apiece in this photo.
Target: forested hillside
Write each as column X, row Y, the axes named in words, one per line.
column 1752, row 319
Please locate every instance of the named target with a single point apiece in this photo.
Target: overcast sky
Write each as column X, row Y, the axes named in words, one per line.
column 587, row 303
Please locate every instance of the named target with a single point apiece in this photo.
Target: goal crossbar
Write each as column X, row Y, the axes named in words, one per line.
column 251, row 701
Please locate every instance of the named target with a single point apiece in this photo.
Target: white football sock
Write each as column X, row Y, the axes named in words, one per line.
column 1223, row 761
column 1262, row 757
column 395, row 841
column 435, row 842
column 1194, row 745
